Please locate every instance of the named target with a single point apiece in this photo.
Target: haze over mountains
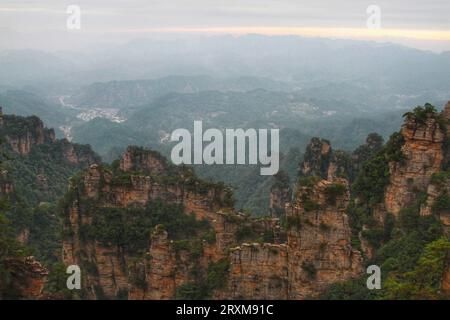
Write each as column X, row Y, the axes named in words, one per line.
column 139, row 92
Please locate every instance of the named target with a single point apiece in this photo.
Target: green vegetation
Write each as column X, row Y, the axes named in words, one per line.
column 309, row 181
column 42, row 174
column 324, row 227
column 130, row 228
column 411, row 250
column 9, row 248
column 442, row 202
column 309, row 204
column 246, row 233
column 421, row 114
column 56, row 282
column 404, row 250
column 393, row 149
column 217, row 274
column 333, row 191
column 203, row 288
column 372, row 180
column 17, row 126
column 355, row 289
column 293, row 221
column 423, row 281
column 193, row 246
column 309, row 268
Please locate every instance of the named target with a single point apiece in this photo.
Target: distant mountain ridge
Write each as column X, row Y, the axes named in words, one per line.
column 133, row 93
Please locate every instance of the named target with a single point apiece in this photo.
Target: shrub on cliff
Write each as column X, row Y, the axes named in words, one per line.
column 333, row 191
column 422, row 282
column 131, row 227
column 372, row 180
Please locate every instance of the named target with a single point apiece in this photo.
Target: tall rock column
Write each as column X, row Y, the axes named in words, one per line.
column 422, row 157
column 319, row 239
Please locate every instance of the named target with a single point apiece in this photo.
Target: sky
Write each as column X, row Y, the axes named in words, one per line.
column 417, row 23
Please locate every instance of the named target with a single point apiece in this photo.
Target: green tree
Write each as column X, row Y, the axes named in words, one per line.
column 424, row 281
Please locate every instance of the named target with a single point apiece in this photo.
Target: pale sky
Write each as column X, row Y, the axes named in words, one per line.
column 424, row 24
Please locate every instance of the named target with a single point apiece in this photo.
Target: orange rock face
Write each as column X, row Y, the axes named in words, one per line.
column 33, row 133
column 265, row 271
column 259, row 271
column 317, row 253
column 163, row 269
column 423, row 155
column 135, row 159
column 28, row 278
column 319, row 247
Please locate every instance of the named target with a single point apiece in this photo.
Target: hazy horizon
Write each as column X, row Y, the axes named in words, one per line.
column 42, row 24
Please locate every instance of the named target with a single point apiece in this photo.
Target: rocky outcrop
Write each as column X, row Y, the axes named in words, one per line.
column 423, row 156
column 140, row 160
column 319, row 239
column 280, row 194
column 322, row 161
column 317, row 253
column 317, row 158
column 114, row 270
column 259, row 271
column 24, row 133
column 438, row 195
column 159, row 274
column 266, row 269
column 446, row 115
column 164, row 270
column 27, row 278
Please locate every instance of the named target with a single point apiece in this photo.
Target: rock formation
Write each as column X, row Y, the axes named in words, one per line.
column 27, row 280
column 319, row 239
column 260, row 266
column 422, row 157
column 23, row 133
column 317, row 158
column 112, row 220
column 280, row 194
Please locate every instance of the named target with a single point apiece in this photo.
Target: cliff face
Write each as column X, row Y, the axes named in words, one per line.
column 32, row 148
column 317, row 252
column 280, row 194
column 135, row 159
column 255, row 258
column 422, row 157
column 24, row 133
column 438, row 192
column 259, row 271
column 319, row 248
column 322, row 161
column 35, row 169
column 266, row 270
column 167, row 264
column 27, row 280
